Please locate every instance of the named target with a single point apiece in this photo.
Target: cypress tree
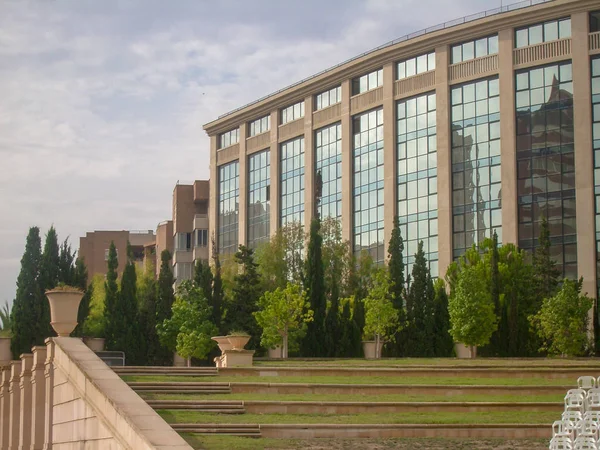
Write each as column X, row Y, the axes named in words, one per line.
column 545, row 272
column 146, row 294
column 218, row 295
column 499, row 339
column 442, row 341
column 67, row 265
column 396, row 271
column 79, row 279
column 49, row 278
column 332, row 322
column 203, row 278
column 314, row 341
column 111, row 290
column 164, row 301
column 25, row 310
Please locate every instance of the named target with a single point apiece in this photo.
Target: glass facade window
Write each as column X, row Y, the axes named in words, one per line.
column 546, row 160
column 183, row 242
column 201, row 238
column 594, row 21
column 229, row 138
column 476, row 196
column 596, row 144
column 328, row 98
column 367, row 82
column 416, row 65
column 292, row 112
column 229, row 198
column 543, row 32
column 259, row 126
column 183, row 271
column 474, row 49
column 368, row 235
column 417, row 178
column 328, row 148
column 292, row 181
column 259, row 196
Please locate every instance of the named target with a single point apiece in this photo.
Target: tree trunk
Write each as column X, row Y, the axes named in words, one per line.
column 189, row 362
column 377, row 355
column 284, row 344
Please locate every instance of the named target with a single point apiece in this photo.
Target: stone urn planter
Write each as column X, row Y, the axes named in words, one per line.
column 64, row 305
column 369, row 348
column 5, row 353
column 222, row 342
column 238, row 342
column 94, row 344
column 465, row 352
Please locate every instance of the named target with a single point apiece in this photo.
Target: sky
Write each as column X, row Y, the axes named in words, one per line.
column 102, row 102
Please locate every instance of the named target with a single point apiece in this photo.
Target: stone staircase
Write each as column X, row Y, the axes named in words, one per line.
column 242, row 430
column 175, row 371
column 208, row 406
column 181, row 388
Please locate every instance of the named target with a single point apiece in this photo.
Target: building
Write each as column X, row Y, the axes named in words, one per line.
column 93, row 248
column 190, row 227
column 465, row 129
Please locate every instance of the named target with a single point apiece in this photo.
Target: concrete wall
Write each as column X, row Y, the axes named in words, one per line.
column 64, row 397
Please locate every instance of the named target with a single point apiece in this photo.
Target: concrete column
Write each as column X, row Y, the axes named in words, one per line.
column 444, row 158
column 243, row 206
column 14, row 393
column 4, row 406
column 213, row 207
column 309, row 164
column 584, row 154
column 389, row 153
column 49, row 403
column 508, row 133
column 26, row 405
column 275, row 176
column 347, row 166
column 38, row 397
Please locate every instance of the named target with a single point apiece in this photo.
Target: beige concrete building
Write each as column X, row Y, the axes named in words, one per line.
column 480, row 125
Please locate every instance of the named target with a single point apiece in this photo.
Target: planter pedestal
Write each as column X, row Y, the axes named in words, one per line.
column 236, row 358
column 5, row 353
column 464, row 352
column 94, row 344
column 179, row 361
column 369, row 349
column 276, row 353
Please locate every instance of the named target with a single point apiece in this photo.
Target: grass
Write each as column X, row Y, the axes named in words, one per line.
column 441, row 381
column 512, row 417
column 239, row 443
column 440, row 362
column 356, row 398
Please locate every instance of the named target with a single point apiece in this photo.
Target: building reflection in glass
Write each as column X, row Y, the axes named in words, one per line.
column 259, row 196
column 292, row 181
column 328, row 149
column 596, row 144
column 229, row 197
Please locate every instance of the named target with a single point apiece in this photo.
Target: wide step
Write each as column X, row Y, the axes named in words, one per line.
column 180, row 388
column 245, row 430
column 217, row 407
column 183, row 371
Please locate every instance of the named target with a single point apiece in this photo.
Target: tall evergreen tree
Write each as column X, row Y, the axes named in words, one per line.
column 396, row 272
column 545, row 272
column 164, row 302
column 314, row 341
column 420, row 315
column 203, row 278
column 332, row 323
column 67, row 265
column 111, row 290
column 49, row 278
column 25, row 310
column 244, row 299
column 499, row 339
column 443, row 343
column 146, row 295
column 79, row 278
column 218, row 294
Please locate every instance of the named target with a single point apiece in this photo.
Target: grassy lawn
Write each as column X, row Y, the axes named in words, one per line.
column 442, row 381
column 516, row 417
column 440, row 362
column 238, row 443
column 356, row 398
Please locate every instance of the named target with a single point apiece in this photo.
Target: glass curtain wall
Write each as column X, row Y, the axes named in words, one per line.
column 229, row 198
column 328, row 148
column 596, row 143
column 259, row 196
column 292, row 181
column 476, row 196
column 545, row 161
column 417, row 178
column 367, row 130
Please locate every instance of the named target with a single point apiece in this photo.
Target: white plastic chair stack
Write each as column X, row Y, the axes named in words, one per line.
column 579, row 427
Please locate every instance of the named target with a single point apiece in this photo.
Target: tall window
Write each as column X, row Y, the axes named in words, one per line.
column 543, row 32
column 329, row 165
column 368, row 184
column 292, row 181
column 474, row 49
column 292, row 112
column 259, row 196
column 416, row 65
column 476, row 199
column 417, row 178
column 596, row 140
column 183, row 242
column 594, row 21
column 201, row 238
column 367, row 82
column 259, row 126
column 328, row 98
column 545, row 160
column 229, row 197
column 229, row 138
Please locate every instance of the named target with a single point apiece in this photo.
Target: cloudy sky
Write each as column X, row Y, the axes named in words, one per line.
column 102, row 102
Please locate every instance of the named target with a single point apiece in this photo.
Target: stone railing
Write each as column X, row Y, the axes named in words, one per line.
column 541, row 52
column 594, row 41
column 62, row 396
column 414, row 84
column 474, row 67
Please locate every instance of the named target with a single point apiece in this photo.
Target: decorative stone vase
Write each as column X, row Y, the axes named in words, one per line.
column 94, row 344
column 64, row 305
column 5, row 353
column 369, row 349
column 238, row 342
column 222, row 342
column 465, row 352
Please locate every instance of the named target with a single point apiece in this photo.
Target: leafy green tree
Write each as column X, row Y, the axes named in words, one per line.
column 49, row 278
column 26, row 313
column 111, row 292
column 217, row 298
column 244, row 300
column 350, row 343
column 315, row 339
column 381, row 317
column 189, row 329
column 95, row 324
column 362, row 276
column 79, row 277
column 146, row 295
column 443, row 343
column 396, row 272
column 203, row 278
column 562, row 321
column 282, row 315
column 5, row 322
column 472, row 315
column 164, row 302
